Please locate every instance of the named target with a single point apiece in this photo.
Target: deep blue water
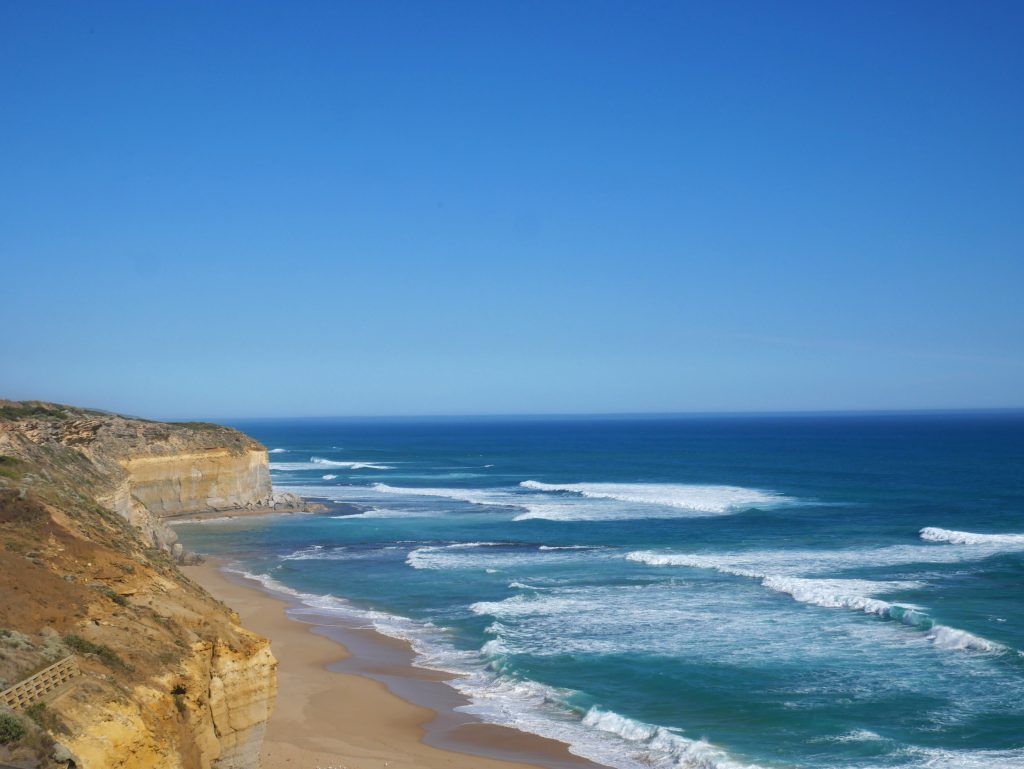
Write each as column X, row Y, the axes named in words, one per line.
column 712, row 592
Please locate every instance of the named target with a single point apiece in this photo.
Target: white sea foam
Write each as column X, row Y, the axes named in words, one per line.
column 321, row 553
column 350, row 465
column 473, row 496
column 369, row 498
column 839, row 593
column 516, row 585
column 491, row 556
column 601, row 736
column 306, row 553
column 946, row 637
column 852, row 594
column 277, row 451
column 939, row 758
column 383, row 622
column 383, row 512
column 430, row 476
column 329, row 477
column 666, row 747
column 597, row 503
column 530, row 506
column 824, row 562
column 610, row 738
column 935, row 534
column 695, row 621
column 672, row 498
column 857, row 735
column 316, row 463
column 458, row 556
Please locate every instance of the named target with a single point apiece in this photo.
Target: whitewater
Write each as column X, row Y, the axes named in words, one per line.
column 817, row 593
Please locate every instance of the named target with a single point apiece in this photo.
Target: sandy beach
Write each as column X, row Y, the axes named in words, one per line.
column 325, row 719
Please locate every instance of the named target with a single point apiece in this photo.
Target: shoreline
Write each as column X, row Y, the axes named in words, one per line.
column 326, row 508
column 230, row 515
column 349, row 698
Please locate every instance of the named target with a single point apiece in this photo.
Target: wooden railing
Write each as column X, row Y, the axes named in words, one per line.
column 35, row 687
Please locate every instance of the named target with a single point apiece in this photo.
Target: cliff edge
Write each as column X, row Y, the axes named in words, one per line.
column 170, row 680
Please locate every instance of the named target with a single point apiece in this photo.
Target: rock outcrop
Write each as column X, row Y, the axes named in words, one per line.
column 170, row 679
column 199, row 481
column 147, row 471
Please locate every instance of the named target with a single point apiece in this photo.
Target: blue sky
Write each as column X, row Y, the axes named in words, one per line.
column 255, row 209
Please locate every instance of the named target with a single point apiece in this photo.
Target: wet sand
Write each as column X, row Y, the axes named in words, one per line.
column 337, row 706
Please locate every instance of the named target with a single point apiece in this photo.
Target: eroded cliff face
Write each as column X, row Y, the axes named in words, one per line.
column 149, row 471
column 170, row 680
column 216, row 720
column 199, row 481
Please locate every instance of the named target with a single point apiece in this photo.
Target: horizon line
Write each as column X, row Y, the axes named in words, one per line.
column 965, row 411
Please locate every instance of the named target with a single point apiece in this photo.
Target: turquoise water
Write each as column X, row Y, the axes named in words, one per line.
column 772, row 592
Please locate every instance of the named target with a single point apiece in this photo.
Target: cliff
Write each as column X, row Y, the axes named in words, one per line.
column 170, row 679
column 198, row 481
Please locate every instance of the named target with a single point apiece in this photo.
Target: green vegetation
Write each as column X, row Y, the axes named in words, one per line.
column 15, row 639
column 117, row 598
column 12, row 410
column 32, row 410
column 45, row 718
column 11, row 467
column 11, row 729
column 197, row 425
column 105, row 654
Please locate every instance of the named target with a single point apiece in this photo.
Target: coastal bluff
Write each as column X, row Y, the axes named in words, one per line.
column 170, row 679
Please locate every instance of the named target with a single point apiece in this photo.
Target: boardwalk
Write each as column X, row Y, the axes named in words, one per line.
column 36, row 687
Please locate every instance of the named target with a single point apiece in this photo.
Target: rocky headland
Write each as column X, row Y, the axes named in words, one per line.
column 170, row 680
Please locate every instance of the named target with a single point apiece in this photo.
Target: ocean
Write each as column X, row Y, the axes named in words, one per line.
column 825, row 592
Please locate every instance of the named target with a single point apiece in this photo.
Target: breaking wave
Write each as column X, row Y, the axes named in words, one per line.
column 584, row 502
column 667, row 747
column 350, row 465
column 443, row 557
column 316, row 463
column 804, row 562
column 475, row 497
column 317, row 553
column 938, row 758
column 598, row 735
column 935, row 534
column 490, row 556
column 516, row 585
column 851, row 594
column 383, row 512
column 695, row 499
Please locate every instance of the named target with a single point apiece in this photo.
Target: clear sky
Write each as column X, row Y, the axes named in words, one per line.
column 256, row 209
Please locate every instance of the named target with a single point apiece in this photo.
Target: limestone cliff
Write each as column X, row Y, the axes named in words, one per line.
column 198, row 481
column 170, row 680
column 146, row 471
